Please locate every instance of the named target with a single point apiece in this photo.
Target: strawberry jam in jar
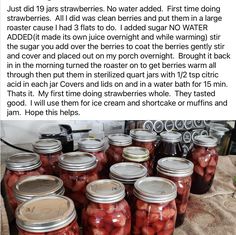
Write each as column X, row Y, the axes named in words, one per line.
column 138, row 155
column 127, row 173
column 49, row 151
column 37, row 186
column 155, row 208
column 107, row 212
column 178, row 170
column 50, row 215
column 204, row 157
column 77, row 169
column 18, row 166
column 97, row 148
column 117, row 142
column 168, row 146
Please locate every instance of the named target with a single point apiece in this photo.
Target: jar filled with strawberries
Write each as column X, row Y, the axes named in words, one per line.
column 178, row 170
column 117, row 142
column 77, row 169
column 204, row 157
column 50, row 215
column 107, row 212
column 97, row 148
column 127, row 173
column 49, row 151
column 18, row 166
column 155, row 208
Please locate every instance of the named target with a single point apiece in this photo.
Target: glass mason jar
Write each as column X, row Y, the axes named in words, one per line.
column 204, row 157
column 49, row 151
column 77, row 169
column 96, row 147
column 155, row 208
column 138, row 155
column 144, row 138
column 168, row 146
column 51, row 215
column 18, row 166
column 107, row 211
column 37, row 186
column 178, row 170
column 127, row 173
column 117, row 142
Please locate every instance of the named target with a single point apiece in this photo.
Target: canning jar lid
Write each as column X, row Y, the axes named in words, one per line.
column 148, row 125
column 135, row 154
column 45, row 214
column 155, row 189
column 91, row 144
column 205, row 141
column 23, row 162
column 47, row 146
column 158, row 126
column 127, row 172
column 77, row 161
column 105, row 191
column 170, row 136
column 175, row 166
column 143, row 135
column 187, row 137
column 120, row 139
column 219, row 130
column 38, row 186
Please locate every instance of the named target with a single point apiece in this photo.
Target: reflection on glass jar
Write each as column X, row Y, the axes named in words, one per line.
column 168, row 146
column 204, row 157
column 97, row 148
column 107, row 211
column 17, row 167
column 155, row 208
column 52, row 215
column 178, row 170
column 49, row 151
column 117, row 142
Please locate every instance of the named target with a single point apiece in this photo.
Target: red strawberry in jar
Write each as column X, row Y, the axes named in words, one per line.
column 204, row 157
column 155, row 210
column 107, row 211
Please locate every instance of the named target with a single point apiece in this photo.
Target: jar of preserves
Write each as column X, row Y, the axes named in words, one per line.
column 77, row 169
column 138, row 155
column 49, row 151
column 168, row 146
column 204, row 157
column 51, row 215
column 97, row 148
column 127, row 173
column 18, row 166
column 178, row 170
column 117, row 142
column 144, row 138
column 155, row 208
column 107, row 211
column 37, row 186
